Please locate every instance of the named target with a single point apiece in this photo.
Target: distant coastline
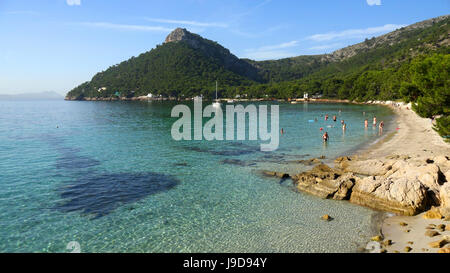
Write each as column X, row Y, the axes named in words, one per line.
column 49, row 95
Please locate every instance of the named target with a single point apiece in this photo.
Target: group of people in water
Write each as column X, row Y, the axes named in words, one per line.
column 326, row 137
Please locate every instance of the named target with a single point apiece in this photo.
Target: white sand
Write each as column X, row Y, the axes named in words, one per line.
column 415, row 138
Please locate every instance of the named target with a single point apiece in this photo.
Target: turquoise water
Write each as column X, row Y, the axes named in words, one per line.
column 109, row 176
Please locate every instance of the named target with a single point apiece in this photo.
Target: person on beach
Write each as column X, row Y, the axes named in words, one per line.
column 325, row 137
column 374, row 121
column 366, row 123
column 334, row 118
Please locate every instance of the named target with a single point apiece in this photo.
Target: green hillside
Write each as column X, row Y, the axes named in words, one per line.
column 410, row 63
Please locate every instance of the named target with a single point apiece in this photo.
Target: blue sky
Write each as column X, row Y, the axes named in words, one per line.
column 54, row 45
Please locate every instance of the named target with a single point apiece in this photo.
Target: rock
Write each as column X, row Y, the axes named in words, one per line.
column 408, row 231
column 377, row 238
column 441, row 228
column 445, row 196
column 326, row 217
column 410, row 242
column 365, row 167
column 444, row 250
column 408, row 249
column 277, row 174
column 447, row 176
column 403, row 224
column 428, row 175
column 442, row 161
column 432, row 214
column 407, row 197
column 309, row 162
column 387, row 243
column 342, row 161
column 325, row 182
column 431, row 233
column 438, row 244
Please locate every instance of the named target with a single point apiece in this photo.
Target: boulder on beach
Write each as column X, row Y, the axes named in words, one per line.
column 365, row 167
column 325, row 182
column 404, row 196
column 445, row 199
column 433, row 213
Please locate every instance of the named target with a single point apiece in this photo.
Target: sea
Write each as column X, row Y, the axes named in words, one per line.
column 108, row 177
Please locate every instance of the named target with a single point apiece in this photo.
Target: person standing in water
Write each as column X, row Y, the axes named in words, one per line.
column 374, row 121
column 282, row 131
column 326, row 117
column 380, row 127
column 325, row 137
column 334, row 118
column 366, row 123
column 344, row 127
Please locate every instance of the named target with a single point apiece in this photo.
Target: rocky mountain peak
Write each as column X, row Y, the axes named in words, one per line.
column 178, row 34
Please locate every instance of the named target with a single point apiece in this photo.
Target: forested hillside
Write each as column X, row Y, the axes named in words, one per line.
column 410, row 63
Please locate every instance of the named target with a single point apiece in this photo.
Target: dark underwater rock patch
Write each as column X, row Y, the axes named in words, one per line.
column 100, row 194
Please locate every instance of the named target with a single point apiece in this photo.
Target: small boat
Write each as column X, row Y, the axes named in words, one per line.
column 216, row 103
column 230, row 101
column 293, row 102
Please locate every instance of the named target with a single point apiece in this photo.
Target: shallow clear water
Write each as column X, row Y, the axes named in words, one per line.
column 109, row 176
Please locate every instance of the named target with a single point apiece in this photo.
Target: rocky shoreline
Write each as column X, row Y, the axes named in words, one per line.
column 405, row 174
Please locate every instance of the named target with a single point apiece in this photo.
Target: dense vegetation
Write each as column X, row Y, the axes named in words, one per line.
column 409, row 64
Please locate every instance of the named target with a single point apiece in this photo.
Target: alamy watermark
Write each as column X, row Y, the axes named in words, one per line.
column 182, row 128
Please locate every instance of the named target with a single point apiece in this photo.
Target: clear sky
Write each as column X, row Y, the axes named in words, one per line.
column 55, row 45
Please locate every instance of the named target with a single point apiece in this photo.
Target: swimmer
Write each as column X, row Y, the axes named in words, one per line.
column 334, row 118
column 325, row 137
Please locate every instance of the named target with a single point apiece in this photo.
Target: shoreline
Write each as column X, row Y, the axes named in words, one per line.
column 410, row 237
column 404, row 177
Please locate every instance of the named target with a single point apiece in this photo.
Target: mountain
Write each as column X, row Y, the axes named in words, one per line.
column 47, row 95
column 186, row 65
column 427, row 36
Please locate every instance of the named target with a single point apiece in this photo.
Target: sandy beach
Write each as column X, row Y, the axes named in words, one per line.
column 405, row 174
column 415, row 138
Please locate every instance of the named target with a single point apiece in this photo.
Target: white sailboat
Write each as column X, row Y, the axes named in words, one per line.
column 216, row 103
